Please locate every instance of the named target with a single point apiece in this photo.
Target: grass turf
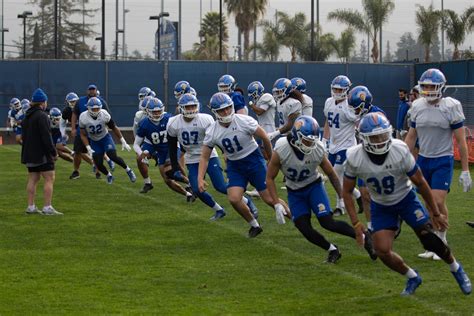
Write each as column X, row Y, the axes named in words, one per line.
column 118, row 251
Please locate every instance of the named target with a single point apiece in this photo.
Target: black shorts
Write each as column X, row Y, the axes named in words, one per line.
column 79, row 145
column 49, row 166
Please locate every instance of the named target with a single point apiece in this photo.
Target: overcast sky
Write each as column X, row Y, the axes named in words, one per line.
column 140, row 30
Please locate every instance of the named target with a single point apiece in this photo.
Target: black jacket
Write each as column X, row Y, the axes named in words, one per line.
column 38, row 147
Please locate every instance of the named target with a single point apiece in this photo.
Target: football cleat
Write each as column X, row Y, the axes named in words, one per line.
column 368, row 245
column 253, row 193
column 412, row 285
column 132, row 175
column 470, row 224
column 338, row 211
column 190, row 198
column 75, row 175
column 255, row 231
column 426, row 255
column 463, row 280
column 146, row 187
column 110, row 179
column 97, row 175
column 219, row 214
column 50, row 211
column 333, row 256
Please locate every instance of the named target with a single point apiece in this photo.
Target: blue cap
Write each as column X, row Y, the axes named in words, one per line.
column 39, row 96
column 92, row 86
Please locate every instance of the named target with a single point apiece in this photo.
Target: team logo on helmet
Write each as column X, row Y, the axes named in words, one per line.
column 299, row 82
column 298, row 125
column 184, row 86
column 362, row 96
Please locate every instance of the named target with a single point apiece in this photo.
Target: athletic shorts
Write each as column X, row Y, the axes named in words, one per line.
column 49, row 166
column 410, row 209
column 310, row 198
column 438, row 172
column 337, row 158
column 102, row 145
column 251, row 169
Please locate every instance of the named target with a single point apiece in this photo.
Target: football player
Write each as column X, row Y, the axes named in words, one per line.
column 16, row 116
column 289, row 106
column 228, row 85
column 298, row 156
column 94, row 124
column 58, row 140
column 151, row 142
column 234, row 135
column 189, row 129
column 434, row 120
column 339, row 132
column 307, row 105
column 388, row 168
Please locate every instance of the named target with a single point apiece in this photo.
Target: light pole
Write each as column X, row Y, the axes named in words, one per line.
column 23, row 16
column 3, row 42
column 158, row 18
column 125, row 11
column 102, row 41
column 99, row 38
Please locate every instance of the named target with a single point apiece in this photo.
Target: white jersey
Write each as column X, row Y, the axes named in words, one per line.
column 299, row 173
column 139, row 116
column 307, row 105
column 96, row 128
column 267, row 120
column 285, row 109
column 434, row 125
column 342, row 125
column 191, row 134
column 236, row 140
column 388, row 183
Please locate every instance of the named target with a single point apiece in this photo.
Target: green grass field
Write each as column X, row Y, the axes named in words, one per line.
column 118, row 251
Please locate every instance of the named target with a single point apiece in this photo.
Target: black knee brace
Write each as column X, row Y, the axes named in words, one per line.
column 432, row 242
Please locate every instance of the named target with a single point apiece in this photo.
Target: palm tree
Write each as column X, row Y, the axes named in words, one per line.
column 376, row 13
column 208, row 48
column 291, row 31
column 428, row 22
column 269, row 48
column 457, row 27
column 344, row 45
column 323, row 45
column 246, row 14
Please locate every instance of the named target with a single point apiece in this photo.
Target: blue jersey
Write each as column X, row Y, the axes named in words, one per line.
column 238, row 99
column 374, row 108
column 154, row 133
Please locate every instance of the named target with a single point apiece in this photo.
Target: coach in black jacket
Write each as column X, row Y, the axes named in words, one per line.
column 38, row 153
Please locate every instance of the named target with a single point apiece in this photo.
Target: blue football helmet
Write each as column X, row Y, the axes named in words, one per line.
column 255, row 90
column 221, row 101
column 375, row 132
column 281, row 89
column 432, row 78
column 226, row 84
column 298, row 84
column 192, row 91
column 189, row 105
column 25, row 105
column 71, row 99
column 94, row 105
column 143, row 92
column 180, row 88
column 155, row 109
column 360, row 100
column 305, row 134
column 15, row 104
column 55, row 115
column 343, row 83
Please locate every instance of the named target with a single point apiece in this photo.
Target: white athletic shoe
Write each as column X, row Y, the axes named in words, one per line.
column 50, row 211
column 436, row 257
column 32, row 211
column 426, row 255
column 253, row 193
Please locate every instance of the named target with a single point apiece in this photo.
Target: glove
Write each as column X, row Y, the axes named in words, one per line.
column 465, row 180
column 90, row 151
column 280, row 213
column 273, row 135
column 125, row 146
